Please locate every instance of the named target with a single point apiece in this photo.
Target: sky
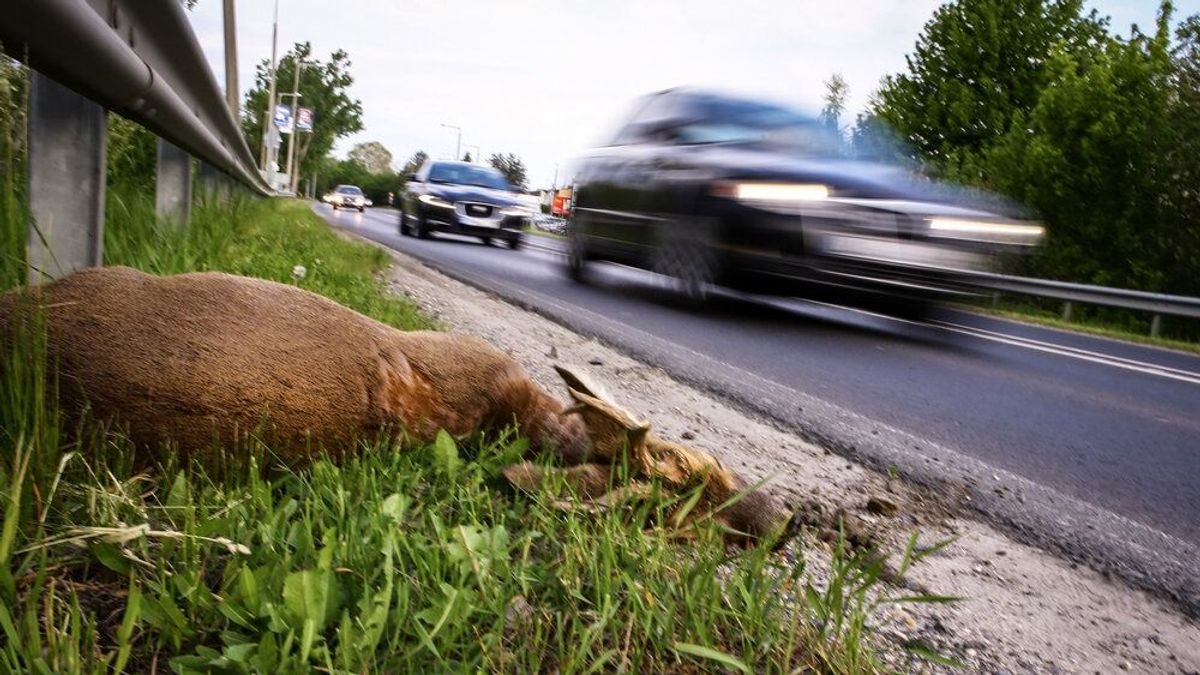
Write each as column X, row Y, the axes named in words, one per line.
column 546, row 79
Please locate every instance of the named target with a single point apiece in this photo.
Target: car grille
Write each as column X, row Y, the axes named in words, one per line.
column 479, row 210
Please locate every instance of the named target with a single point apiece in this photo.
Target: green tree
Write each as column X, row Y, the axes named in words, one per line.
column 373, row 157
column 836, row 90
column 512, row 167
column 410, row 167
column 977, row 64
column 872, row 138
column 467, row 157
column 351, row 172
column 1178, row 232
column 324, row 87
column 1085, row 155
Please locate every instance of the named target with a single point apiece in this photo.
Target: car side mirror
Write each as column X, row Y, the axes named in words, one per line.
column 412, row 178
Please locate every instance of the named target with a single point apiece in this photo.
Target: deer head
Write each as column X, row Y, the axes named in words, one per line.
column 619, row 439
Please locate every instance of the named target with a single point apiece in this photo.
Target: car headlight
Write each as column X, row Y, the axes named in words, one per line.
column 988, row 230
column 778, row 193
column 434, row 200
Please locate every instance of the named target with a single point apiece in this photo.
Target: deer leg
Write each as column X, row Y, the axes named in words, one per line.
column 589, row 481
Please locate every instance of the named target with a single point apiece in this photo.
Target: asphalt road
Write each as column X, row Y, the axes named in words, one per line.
column 1109, row 425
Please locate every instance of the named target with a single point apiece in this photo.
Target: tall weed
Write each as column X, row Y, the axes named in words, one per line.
column 14, row 92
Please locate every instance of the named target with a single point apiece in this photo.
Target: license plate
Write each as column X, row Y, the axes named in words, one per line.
column 479, row 222
column 905, row 252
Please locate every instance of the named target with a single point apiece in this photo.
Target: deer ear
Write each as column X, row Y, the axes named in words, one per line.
column 613, row 430
column 578, row 380
column 587, row 404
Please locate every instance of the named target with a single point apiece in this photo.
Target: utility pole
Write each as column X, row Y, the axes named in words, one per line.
column 458, row 145
column 269, row 134
column 295, row 132
column 231, row 73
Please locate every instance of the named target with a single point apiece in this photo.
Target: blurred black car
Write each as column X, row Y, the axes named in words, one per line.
column 715, row 190
column 462, row 198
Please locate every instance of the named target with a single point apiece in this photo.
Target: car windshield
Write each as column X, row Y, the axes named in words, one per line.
column 349, row 190
column 466, row 174
column 720, row 120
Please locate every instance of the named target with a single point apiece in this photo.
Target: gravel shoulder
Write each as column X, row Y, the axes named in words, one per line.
column 1024, row 610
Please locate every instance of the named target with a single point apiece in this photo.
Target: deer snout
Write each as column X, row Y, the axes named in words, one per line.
column 757, row 516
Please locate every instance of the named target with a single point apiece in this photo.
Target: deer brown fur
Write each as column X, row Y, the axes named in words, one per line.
column 201, row 360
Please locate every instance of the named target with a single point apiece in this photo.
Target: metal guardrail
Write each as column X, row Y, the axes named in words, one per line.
column 1155, row 303
column 140, row 59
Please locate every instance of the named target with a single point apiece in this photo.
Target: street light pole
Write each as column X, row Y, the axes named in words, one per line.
column 458, row 145
column 287, row 163
column 268, row 129
column 295, row 132
column 231, row 73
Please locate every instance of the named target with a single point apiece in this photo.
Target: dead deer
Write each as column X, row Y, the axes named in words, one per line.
column 199, row 360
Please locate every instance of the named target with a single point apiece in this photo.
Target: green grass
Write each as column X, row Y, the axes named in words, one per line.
column 260, row 238
column 394, row 562
column 542, row 233
column 398, row 560
column 14, row 87
column 1113, row 324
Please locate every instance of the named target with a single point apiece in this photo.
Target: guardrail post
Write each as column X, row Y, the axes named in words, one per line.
column 212, row 183
column 205, row 181
column 1068, row 310
column 68, row 137
column 1156, row 325
column 173, row 184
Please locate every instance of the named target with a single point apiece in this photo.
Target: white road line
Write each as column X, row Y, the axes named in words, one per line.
column 1074, row 352
column 1036, row 345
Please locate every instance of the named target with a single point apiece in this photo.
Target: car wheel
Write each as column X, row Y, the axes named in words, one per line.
column 334, row 206
column 403, row 224
column 577, row 254
column 422, row 228
column 514, row 242
column 684, row 255
column 361, row 208
column 487, row 241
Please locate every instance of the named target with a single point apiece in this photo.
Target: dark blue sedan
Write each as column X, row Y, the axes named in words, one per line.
column 462, row 198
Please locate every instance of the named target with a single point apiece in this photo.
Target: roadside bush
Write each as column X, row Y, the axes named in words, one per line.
column 1084, row 157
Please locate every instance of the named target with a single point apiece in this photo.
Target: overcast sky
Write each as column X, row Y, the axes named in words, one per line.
column 547, row 78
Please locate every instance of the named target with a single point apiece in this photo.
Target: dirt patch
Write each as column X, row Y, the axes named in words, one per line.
column 1024, row 610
